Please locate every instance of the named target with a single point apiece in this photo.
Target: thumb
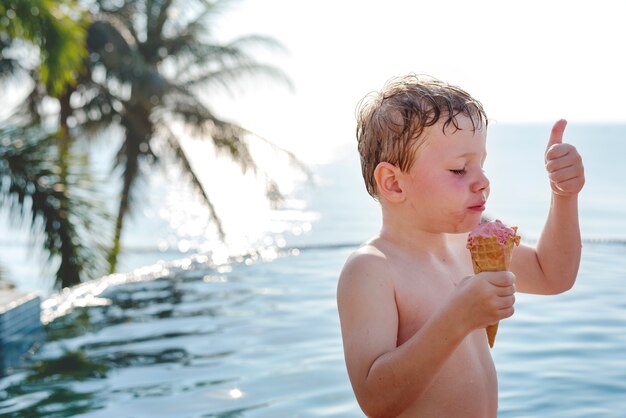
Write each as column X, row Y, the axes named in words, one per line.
column 556, row 136
column 464, row 280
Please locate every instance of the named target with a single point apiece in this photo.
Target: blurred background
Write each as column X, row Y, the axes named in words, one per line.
column 288, row 73
column 187, row 169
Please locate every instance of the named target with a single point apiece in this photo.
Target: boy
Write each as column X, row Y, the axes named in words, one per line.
column 412, row 313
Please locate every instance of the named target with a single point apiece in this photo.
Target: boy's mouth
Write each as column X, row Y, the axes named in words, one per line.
column 480, row 207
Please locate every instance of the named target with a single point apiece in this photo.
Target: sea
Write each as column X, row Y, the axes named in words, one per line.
column 191, row 330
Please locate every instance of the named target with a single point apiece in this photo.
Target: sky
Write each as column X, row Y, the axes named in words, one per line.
column 532, row 61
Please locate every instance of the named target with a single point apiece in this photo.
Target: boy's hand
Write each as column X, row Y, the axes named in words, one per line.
column 563, row 163
column 486, row 298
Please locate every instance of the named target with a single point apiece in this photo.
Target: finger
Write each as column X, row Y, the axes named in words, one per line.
column 565, row 174
column 571, row 186
column 558, row 151
column 464, row 279
column 506, row 290
column 555, row 160
column 502, row 279
column 506, row 312
column 506, row 302
column 556, row 136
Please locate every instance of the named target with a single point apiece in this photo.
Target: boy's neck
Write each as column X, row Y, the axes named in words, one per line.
column 412, row 238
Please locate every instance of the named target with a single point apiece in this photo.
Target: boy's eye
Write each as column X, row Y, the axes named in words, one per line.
column 458, row 172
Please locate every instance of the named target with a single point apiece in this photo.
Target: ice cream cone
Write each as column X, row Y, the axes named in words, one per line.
column 490, row 254
column 492, row 330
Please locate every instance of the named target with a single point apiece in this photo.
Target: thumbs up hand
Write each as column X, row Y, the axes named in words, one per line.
column 563, row 163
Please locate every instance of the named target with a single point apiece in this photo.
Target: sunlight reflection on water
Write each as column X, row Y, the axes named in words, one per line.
column 246, row 214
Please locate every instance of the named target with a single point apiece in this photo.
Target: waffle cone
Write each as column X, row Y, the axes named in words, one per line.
column 489, row 255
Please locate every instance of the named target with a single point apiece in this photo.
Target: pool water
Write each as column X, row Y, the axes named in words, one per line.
column 261, row 339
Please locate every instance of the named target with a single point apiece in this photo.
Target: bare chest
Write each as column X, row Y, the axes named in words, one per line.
column 468, row 379
column 421, row 289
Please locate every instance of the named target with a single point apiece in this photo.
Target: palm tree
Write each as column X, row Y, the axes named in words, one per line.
column 144, row 60
column 147, row 59
column 62, row 211
column 41, row 179
column 56, row 28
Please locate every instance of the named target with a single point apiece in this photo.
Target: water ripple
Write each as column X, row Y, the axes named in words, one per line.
column 262, row 340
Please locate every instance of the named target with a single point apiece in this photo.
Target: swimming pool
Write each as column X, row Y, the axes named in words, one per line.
column 253, row 339
column 261, row 339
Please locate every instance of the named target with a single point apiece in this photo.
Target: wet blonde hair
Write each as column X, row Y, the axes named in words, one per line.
column 391, row 122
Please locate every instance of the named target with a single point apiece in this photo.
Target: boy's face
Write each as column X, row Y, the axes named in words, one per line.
column 446, row 187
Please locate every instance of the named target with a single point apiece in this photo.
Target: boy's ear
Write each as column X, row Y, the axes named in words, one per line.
column 387, row 182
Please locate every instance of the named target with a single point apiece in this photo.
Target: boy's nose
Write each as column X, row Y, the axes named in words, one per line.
column 481, row 183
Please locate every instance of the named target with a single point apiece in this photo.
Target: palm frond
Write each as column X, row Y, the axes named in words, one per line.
column 62, row 51
column 58, row 34
column 30, row 111
column 64, row 213
column 114, row 51
column 227, row 78
column 96, row 111
column 181, row 159
column 227, row 137
column 250, row 42
column 295, row 162
column 224, row 64
column 123, row 15
column 186, row 35
column 157, row 16
column 9, row 66
column 273, row 193
column 208, row 11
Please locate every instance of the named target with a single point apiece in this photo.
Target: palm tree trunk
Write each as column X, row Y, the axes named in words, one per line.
column 139, row 131
column 68, row 273
column 130, row 174
column 63, row 140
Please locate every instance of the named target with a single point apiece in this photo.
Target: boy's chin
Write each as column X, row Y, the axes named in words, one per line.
column 469, row 225
column 462, row 229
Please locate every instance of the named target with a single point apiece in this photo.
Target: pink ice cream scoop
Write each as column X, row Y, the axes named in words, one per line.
column 491, row 229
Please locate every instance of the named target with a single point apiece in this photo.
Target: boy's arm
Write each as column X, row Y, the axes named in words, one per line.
column 387, row 379
column 552, row 267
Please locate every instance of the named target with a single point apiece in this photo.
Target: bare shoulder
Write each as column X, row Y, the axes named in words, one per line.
column 365, row 276
column 364, row 263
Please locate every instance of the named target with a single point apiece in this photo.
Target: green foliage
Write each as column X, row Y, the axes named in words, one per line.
column 154, row 56
column 61, row 209
column 57, row 28
column 134, row 64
